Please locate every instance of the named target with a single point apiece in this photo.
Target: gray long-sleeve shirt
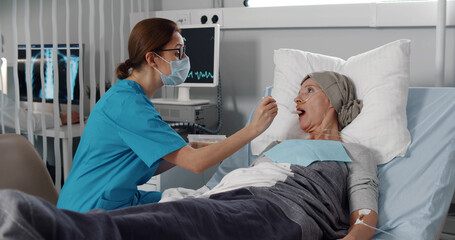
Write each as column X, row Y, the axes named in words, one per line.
column 317, row 197
column 362, row 181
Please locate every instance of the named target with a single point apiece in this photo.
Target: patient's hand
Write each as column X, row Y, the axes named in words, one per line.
column 74, row 117
column 360, row 231
column 264, row 114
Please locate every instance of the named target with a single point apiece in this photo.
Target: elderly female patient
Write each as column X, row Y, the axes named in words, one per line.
column 316, row 188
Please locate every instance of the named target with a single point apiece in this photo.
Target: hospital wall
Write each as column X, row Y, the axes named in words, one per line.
column 246, row 62
column 246, row 55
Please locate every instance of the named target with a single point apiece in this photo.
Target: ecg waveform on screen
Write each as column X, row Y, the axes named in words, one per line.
column 200, row 74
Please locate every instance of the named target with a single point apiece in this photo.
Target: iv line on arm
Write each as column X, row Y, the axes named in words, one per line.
column 363, row 213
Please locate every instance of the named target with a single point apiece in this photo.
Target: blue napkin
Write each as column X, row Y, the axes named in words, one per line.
column 304, row 152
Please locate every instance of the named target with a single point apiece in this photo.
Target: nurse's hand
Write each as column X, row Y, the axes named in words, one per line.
column 198, row 160
column 264, row 114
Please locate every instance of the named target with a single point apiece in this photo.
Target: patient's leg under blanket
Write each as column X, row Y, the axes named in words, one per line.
column 23, row 216
column 232, row 215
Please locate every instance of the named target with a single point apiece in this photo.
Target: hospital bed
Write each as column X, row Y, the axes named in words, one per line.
column 415, row 190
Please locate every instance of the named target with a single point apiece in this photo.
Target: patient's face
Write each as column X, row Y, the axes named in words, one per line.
column 314, row 105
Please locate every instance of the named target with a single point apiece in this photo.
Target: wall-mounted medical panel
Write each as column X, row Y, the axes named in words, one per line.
column 412, row 14
column 404, row 14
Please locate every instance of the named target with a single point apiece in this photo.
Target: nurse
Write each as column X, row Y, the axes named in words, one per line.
column 125, row 141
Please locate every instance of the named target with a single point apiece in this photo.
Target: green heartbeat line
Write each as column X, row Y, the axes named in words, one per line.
column 200, row 75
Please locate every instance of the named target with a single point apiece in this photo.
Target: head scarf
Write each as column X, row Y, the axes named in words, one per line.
column 341, row 93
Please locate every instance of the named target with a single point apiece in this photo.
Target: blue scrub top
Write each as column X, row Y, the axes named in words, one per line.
column 121, row 147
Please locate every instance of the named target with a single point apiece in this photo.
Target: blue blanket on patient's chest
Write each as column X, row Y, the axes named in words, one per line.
column 304, row 152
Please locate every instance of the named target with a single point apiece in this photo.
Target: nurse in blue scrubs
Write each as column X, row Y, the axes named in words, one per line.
column 125, row 141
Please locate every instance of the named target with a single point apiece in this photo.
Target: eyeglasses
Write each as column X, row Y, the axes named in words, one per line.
column 307, row 94
column 181, row 50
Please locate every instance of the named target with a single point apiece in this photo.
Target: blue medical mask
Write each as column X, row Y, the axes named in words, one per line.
column 179, row 71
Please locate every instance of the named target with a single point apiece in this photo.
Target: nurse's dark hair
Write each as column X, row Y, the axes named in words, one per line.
column 148, row 35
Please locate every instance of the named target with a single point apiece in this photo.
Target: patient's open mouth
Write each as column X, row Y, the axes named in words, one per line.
column 299, row 112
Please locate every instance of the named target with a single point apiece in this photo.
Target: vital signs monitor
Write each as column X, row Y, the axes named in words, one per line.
column 203, row 47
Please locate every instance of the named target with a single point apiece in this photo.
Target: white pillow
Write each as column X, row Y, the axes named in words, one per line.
column 381, row 78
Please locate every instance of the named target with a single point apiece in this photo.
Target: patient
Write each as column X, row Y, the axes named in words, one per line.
column 8, row 111
column 285, row 194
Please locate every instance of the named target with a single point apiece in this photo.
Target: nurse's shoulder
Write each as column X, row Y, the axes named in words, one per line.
column 126, row 98
column 123, row 92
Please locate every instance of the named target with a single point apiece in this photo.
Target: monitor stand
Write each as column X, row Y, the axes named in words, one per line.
column 183, row 99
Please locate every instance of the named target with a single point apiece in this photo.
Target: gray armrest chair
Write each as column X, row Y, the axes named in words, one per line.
column 22, row 168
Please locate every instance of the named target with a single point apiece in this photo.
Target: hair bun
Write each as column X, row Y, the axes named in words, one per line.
column 123, row 70
column 128, row 63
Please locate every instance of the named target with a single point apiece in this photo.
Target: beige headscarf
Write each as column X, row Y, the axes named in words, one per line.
column 341, row 93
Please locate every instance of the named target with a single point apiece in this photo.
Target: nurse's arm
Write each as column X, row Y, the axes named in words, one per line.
column 163, row 167
column 198, row 160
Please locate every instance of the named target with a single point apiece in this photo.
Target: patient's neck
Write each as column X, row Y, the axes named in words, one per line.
column 333, row 136
column 327, row 132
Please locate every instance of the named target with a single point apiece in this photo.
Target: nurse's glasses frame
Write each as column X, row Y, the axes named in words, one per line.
column 181, row 50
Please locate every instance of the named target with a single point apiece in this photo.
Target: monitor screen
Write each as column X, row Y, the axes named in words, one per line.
column 49, row 73
column 202, row 46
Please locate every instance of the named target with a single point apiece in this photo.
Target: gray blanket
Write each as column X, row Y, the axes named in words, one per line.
column 311, row 204
column 315, row 198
